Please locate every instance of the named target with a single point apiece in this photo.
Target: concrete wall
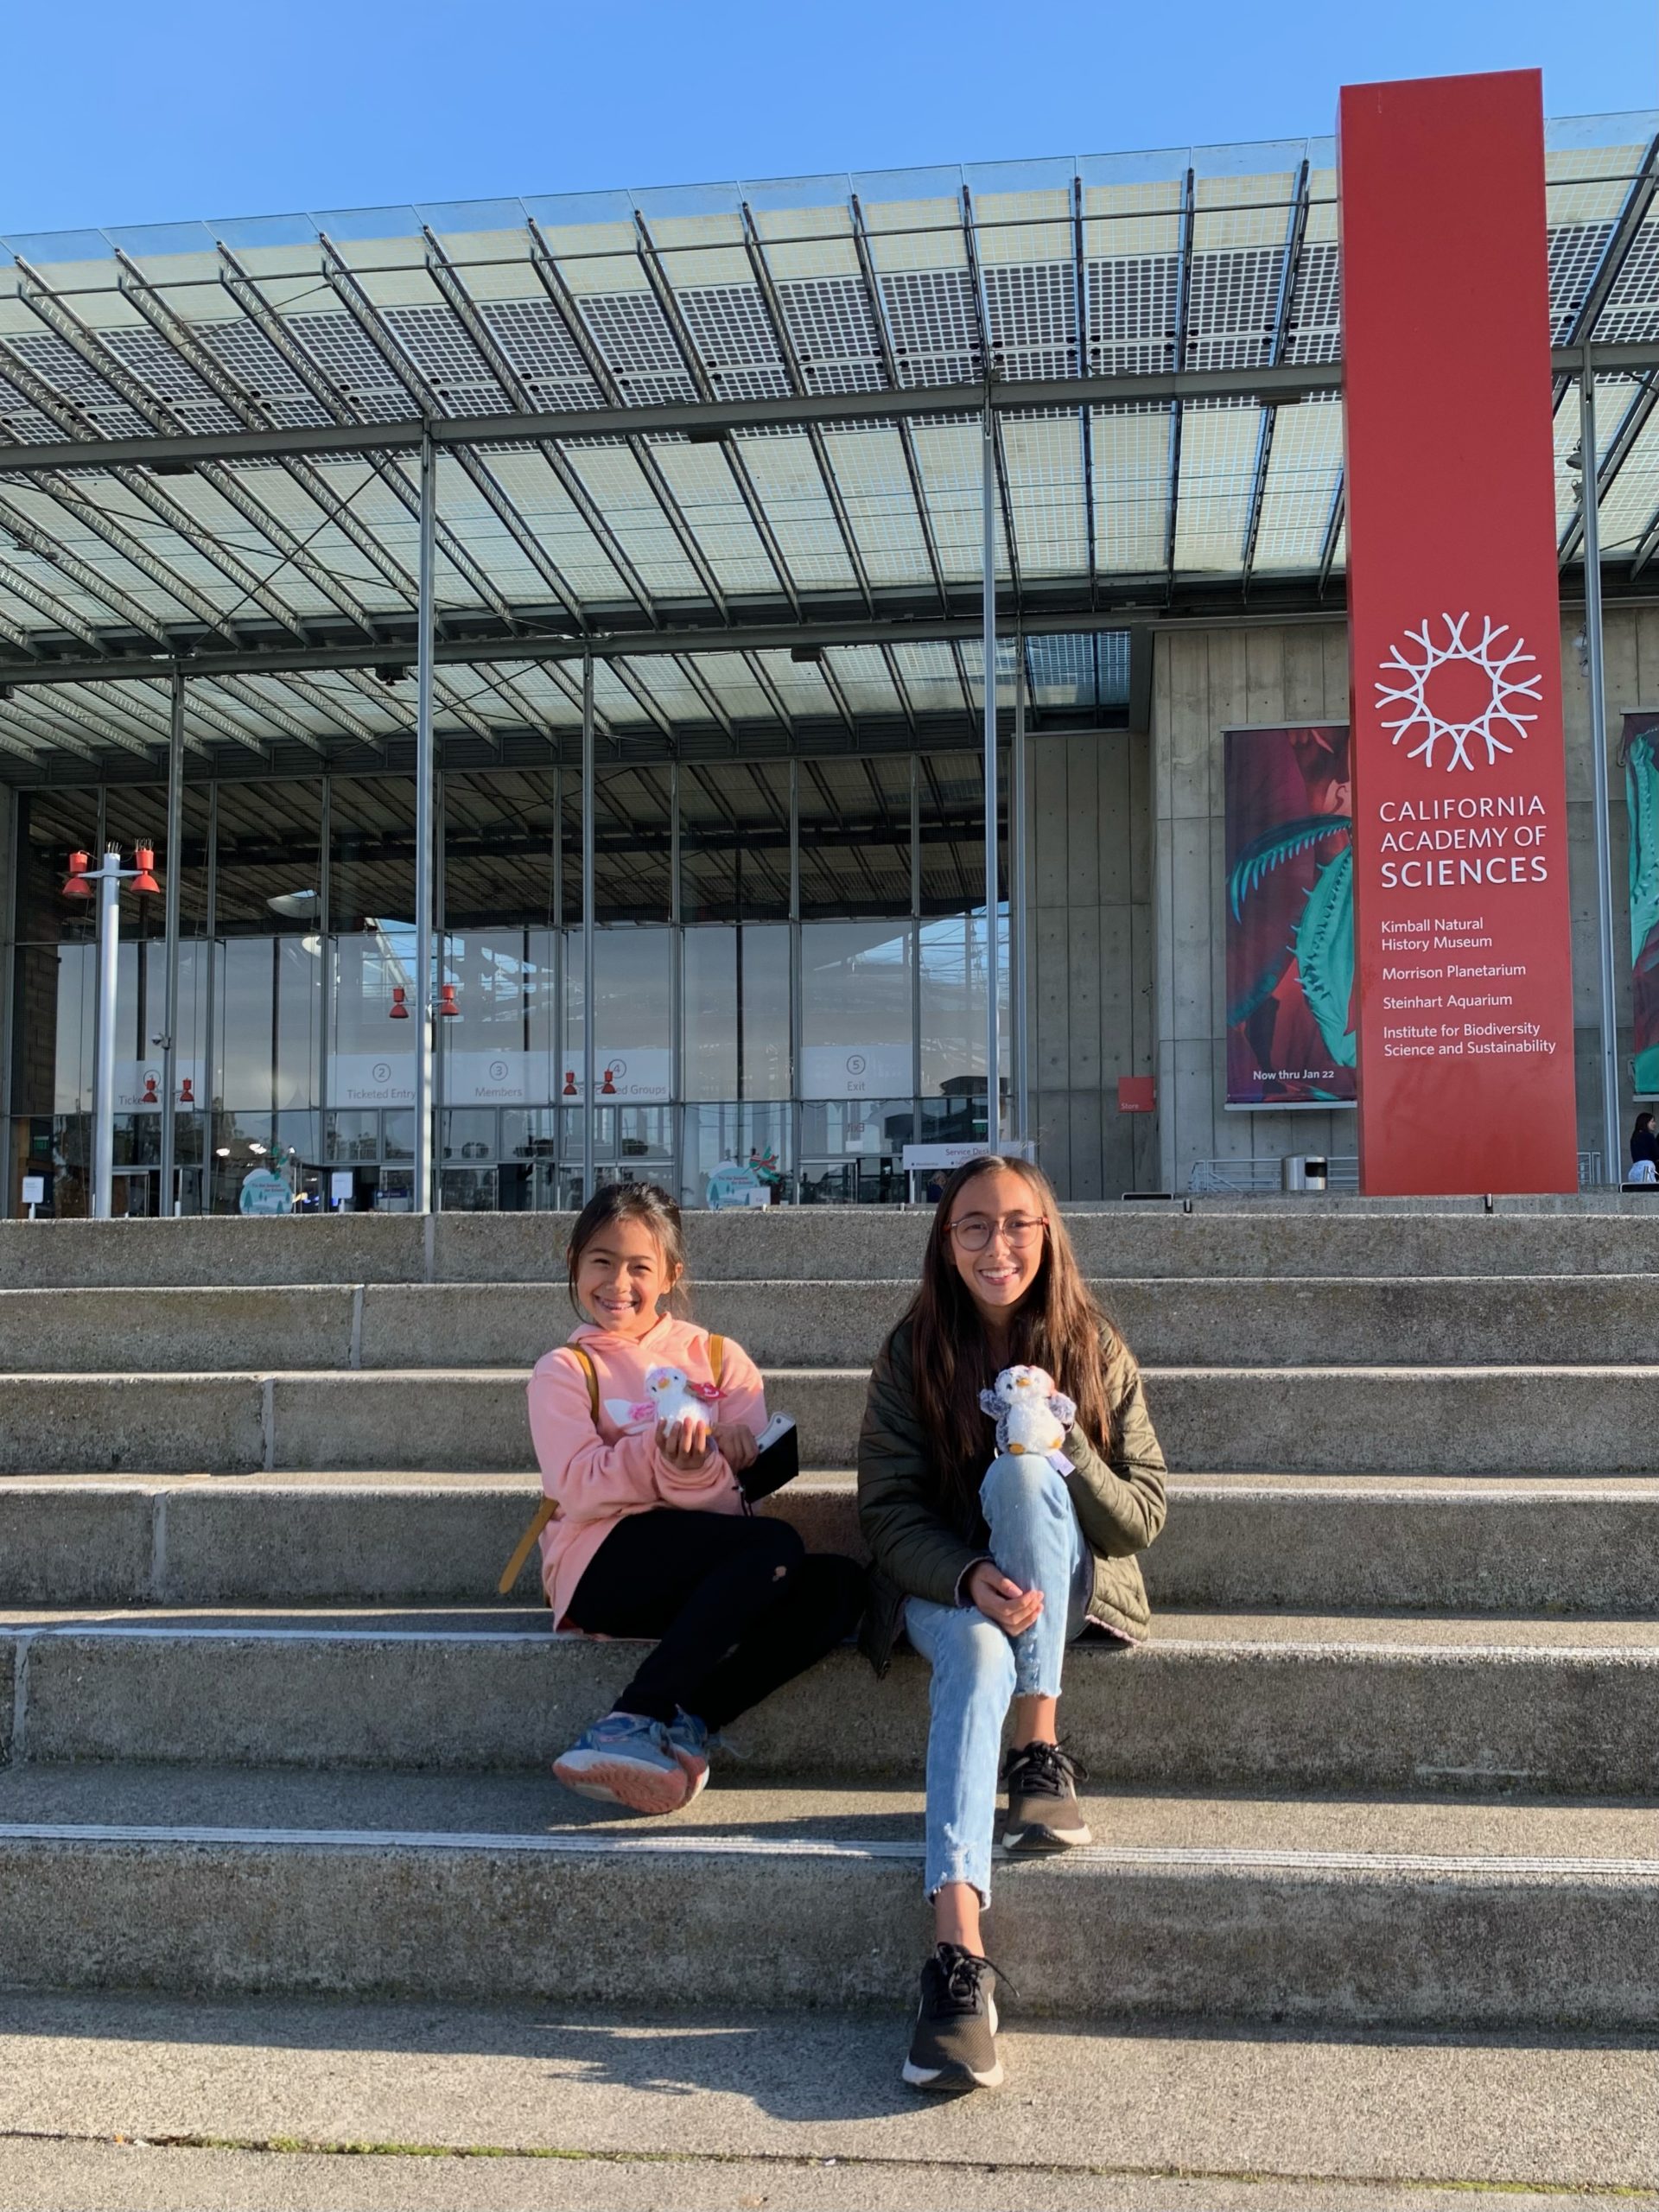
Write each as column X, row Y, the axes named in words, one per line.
column 1090, row 963
column 1205, row 682
column 7, row 904
column 1630, row 638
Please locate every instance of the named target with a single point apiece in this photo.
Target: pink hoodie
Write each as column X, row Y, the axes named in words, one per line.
column 599, row 1473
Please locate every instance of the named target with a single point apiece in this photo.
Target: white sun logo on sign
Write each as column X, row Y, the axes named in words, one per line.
column 1511, row 701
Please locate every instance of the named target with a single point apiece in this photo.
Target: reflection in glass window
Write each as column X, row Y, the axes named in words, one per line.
column 469, row 1133
column 953, row 959
column 762, row 1055
column 353, row 1135
column 371, row 1058
column 498, row 1049
column 710, row 1060
column 532, row 1136
column 832, row 1129
column 757, row 1135
column 243, row 1023
column 736, row 1012
column 643, row 1133
column 72, row 969
column 855, row 1010
column 633, row 1024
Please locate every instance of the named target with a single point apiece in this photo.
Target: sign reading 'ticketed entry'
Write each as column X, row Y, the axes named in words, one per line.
column 1462, row 918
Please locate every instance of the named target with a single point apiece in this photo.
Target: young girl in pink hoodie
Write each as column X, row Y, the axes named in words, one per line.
column 652, row 1535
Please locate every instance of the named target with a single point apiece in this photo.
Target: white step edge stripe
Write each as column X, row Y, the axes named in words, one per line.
column 1179, row 1647
column 738, row 1846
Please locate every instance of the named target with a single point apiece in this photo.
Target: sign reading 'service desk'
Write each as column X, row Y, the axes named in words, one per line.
column 1461, row 908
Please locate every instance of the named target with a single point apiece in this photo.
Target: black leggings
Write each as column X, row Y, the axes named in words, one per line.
column 740, row 1607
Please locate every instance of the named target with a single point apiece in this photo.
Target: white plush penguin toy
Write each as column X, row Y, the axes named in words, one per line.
column 670, row 1396
column 1030, row 1414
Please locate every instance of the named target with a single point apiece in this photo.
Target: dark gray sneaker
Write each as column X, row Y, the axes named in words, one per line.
column 1043, row 1811
column 954, row 2045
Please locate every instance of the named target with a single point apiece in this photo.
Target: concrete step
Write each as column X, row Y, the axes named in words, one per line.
column 1556, row 1419
column 1330, row 1911
column 1297, row 1321
column 1530, row 1544
column 681, row 2102
column 1239, row 1699
column 1601, row 1234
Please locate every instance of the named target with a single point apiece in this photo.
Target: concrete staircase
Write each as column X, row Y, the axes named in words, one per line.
column 1391, row 1755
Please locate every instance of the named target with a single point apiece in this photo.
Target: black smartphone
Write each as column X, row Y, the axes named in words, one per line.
column 777, row 1460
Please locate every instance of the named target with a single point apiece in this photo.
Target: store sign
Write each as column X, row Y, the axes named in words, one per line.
column 1461, row 914
column 139, row 1085
column 642, row 1074
column 855, row 1072
column 372, row 1079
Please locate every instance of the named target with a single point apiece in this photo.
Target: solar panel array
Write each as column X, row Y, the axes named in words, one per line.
column 1222, row 261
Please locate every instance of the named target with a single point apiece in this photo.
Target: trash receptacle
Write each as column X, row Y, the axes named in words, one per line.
column 1304, row 1171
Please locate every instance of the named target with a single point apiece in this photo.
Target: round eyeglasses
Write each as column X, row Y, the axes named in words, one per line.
column 974, row 1230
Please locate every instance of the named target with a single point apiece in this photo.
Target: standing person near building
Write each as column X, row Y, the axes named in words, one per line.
column 651, row 1536
column 1644, row 1151
column 992, row 1574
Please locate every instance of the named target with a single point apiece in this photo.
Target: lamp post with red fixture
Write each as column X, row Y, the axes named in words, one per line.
column 109, row 879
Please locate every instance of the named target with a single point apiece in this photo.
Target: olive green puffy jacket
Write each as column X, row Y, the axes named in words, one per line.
column 918, row 1551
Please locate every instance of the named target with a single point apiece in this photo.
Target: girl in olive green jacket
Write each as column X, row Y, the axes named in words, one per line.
column 992, row 1574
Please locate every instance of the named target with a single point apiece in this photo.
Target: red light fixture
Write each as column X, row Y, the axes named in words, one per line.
column 77, row 887
column 397, row 1011
column 447, row 999
column 144, row 861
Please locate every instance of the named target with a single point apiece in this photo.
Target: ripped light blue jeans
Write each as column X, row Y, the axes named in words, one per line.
column 978, row 1667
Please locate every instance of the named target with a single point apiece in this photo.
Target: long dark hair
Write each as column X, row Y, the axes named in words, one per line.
column 646, row 1202
column 1057, row 1325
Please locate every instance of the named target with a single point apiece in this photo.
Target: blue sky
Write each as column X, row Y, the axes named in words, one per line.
column 118, row 115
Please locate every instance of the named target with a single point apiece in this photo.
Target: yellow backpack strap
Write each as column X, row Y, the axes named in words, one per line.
column 716, row 1357
column 585, row 1362
column 549, row 1509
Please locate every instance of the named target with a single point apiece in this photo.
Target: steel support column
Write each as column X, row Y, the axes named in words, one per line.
column 590, row 1057
column 325, row 988
column 675, row 989
column 915, row 955
column 169, row 1039
column 210, row 988
column 1611, row 1148
column 109, row 957
column 796, row 1002
column 425, row 765
column 1017, row 947
column 988, row 555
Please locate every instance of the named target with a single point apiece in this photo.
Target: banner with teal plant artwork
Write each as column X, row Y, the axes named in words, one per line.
column 1639, row 752
column 1291, row 1024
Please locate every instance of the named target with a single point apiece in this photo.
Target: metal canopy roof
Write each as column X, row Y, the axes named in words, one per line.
column 727, row 437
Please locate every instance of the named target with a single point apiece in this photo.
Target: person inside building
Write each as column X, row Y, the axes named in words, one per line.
column 1644, row 1151
column 651, row 1535
column 992, row 1574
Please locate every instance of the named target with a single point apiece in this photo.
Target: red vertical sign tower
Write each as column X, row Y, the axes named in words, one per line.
column 1461, row 913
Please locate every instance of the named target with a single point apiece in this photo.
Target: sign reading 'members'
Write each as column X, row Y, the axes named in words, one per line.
column 1462, row 916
